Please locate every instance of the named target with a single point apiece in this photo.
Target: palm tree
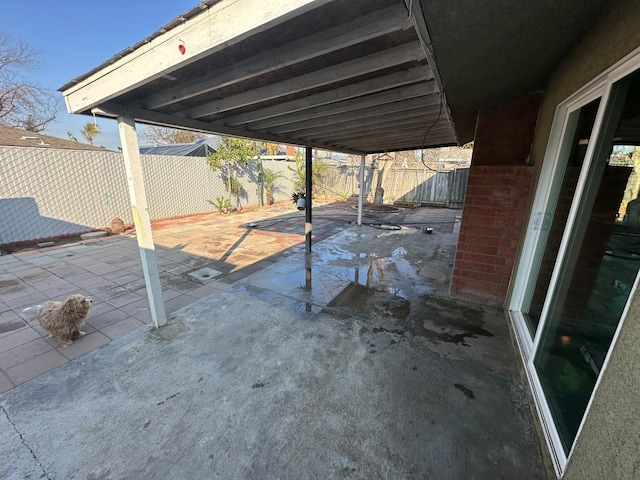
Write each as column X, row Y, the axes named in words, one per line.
column 89, row 131
column 270, row 177
column 270, row 148
column 300, row 174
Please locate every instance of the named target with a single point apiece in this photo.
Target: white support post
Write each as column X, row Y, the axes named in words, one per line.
column 361, row 180
column 131, row 153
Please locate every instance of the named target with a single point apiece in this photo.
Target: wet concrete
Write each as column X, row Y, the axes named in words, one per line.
column 354, row 365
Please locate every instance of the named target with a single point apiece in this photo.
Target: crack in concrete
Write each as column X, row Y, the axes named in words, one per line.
column 33, row 454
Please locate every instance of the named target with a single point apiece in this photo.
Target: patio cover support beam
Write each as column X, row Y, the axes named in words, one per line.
column 365, row 27
column 309, row 193
column 114, row 110
column 386, row 98
column 131, row 153
column 373, row 86
column 360, row 189
column 369, row 64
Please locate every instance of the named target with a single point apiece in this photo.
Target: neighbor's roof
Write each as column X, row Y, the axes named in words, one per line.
column 16, row 137
column 199, row 148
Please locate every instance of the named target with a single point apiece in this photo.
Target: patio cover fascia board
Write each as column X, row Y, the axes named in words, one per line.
column 148, row 60
column 417, row 16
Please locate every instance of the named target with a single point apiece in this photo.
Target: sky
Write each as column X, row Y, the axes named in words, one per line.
column 73, row 37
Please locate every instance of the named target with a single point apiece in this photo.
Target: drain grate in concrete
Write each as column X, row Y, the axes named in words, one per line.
column 203, row 275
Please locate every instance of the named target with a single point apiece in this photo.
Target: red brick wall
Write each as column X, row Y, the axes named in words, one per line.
column 496, row 200
column 492, row 219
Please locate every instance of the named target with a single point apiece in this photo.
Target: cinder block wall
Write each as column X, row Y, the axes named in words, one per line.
column 496, row 201
column 52, row 193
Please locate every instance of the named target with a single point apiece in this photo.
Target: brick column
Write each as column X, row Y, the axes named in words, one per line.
column 494, row 208
column 496, row 200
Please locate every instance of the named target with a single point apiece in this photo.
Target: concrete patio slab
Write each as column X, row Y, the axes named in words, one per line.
column 351, row 365
column 241, row 388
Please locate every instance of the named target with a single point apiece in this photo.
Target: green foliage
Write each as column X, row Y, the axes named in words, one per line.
column 270, row 177
column 230, row 157
column 232, row 151
column 234, row 185
column 222, row 204
column 89, row 131
column 300, row 173
column 270, row 148
column 295, row 196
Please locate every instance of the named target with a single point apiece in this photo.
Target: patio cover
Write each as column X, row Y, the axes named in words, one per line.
column 357, row 76
column 353, row 76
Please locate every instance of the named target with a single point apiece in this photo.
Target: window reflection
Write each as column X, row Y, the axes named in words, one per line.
column 598, row 269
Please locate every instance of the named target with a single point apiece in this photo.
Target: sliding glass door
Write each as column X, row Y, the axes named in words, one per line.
column 583, row 252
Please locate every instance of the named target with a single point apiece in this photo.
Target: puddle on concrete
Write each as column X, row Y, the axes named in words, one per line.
column 356, row 273
column 371, row 303
column 441, row 320
column 386, row 330
column 268, row 296
column 331, row 252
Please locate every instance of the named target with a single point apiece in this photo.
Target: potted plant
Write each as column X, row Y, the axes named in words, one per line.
column 298, row 199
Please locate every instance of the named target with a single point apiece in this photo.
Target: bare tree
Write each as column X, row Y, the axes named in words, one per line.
column 23, row 104
column 155, row 135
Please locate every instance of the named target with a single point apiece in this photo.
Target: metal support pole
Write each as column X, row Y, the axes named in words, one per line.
column 308, row 192
column 131, row 153
column 360, row 190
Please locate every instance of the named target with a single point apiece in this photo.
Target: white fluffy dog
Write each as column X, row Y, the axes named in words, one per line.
column 64, row 319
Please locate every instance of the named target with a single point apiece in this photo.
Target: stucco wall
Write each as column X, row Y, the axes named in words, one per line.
column 617, row 35
column 608, row 445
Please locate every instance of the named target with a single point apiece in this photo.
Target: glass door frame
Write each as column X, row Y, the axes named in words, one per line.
column 542, row 209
